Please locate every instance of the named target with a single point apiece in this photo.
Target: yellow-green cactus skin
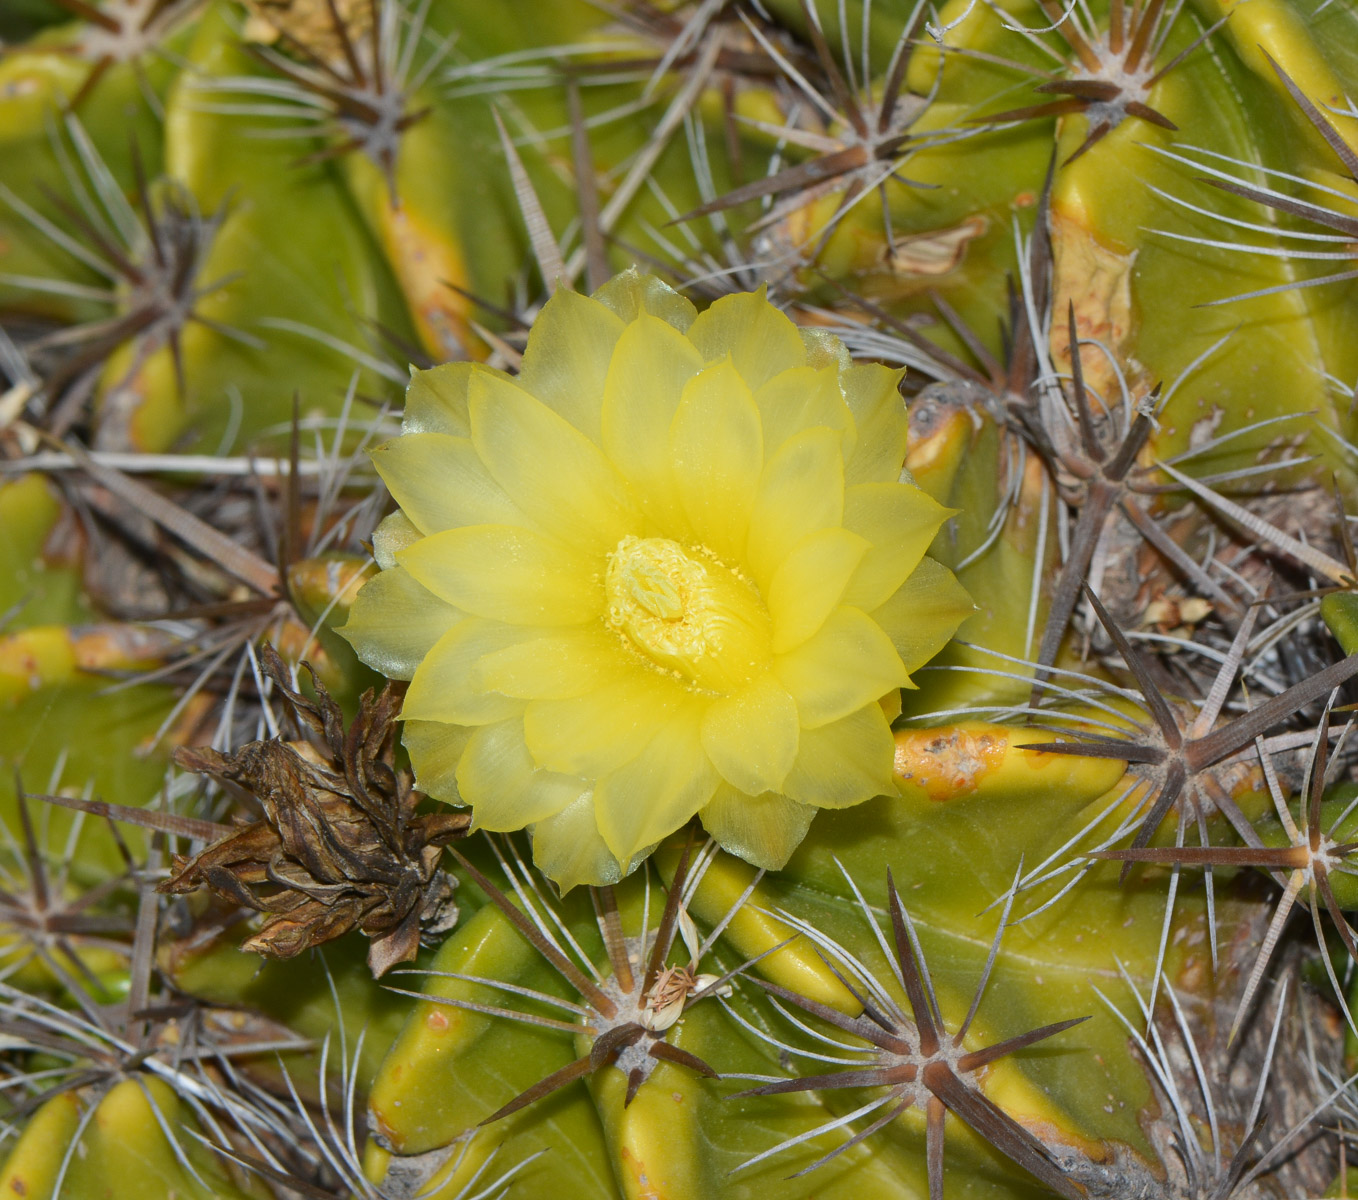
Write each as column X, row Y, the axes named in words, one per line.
column 852, row 499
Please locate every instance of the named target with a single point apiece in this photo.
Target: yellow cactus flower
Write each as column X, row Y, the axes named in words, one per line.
column 669, row 568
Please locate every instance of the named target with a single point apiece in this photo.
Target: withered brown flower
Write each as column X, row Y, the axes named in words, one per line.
column 340, row 845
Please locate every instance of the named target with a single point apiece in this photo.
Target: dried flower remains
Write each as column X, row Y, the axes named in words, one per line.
column 340, row 845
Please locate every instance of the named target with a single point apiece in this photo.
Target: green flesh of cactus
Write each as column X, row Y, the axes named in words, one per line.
column 326, row 275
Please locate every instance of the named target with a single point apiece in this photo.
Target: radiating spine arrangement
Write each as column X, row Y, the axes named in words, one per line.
column 688, row 600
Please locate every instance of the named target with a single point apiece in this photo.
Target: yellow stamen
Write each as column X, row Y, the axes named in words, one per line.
column 686, row 612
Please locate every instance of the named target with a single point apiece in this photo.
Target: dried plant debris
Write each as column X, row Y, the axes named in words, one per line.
column 912, row 1061
column 340, row 845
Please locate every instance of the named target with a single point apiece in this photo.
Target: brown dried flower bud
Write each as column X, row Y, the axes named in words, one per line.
column 340, row 845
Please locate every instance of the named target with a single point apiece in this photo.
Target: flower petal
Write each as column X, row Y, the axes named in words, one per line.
column 872, row 391
column 900, row 521
column 646, row 379
column 496, row 776
column 751, row 737
column 632, row 293
column 654, row 793
column 555, row 665
column 566, row 360
column 763, row 830
column 509, row 574
column 392, row 535
column 824, row 349
column 568, row 849
column 443, row 688
column 434, row 750
column 801, row 491
column 593, row 734
column 809, row 583
column 436, row 399
column 716, row 456
column 921, row 618
column 440, row 483
column 394, row 623
column 890, row 704
column 847, row 664
column 760, row 340
column 845, row 762
column 799, row 399
column 551, row 470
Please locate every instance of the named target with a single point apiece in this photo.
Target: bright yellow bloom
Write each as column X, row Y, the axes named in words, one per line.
column 668, row 569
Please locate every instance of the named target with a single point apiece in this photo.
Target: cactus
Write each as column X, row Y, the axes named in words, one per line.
column 850, row 503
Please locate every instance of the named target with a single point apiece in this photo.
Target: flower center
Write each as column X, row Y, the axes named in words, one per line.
column 687, row 612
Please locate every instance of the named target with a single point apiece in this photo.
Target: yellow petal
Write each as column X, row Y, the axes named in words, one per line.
column 566, row 360
column 394, row 623
column 824, row 349
column 434, row 750
column 592, row 734
column 763, row 830
column 716, row 455
column 632, row 293
column 509, row 574
column 923, row 615
column 651, row 365
column 551, row 470
column 849, row 663
column 567, row 848
column 654, row 793
column 436, row 400
column 872, row 391
column 392, row 535
column 845, row 762
column 799, row 399
column 443, row 687
column 555, row 665
column 760, row 340
column 800, row 492
column 496, row 776
column 900, row 521
column 440, row 483
column 890, row 704
column 751, row 737
column 809, row 583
